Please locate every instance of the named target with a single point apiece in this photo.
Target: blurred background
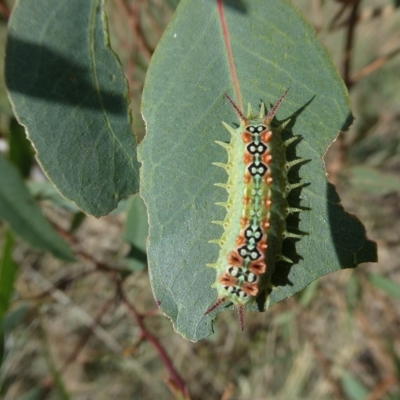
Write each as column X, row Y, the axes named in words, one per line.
column 91, row 329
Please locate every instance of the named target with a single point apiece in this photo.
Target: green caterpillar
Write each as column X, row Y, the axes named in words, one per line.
column 257, row 207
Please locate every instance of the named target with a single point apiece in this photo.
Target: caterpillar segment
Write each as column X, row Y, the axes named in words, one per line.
column 257, row 207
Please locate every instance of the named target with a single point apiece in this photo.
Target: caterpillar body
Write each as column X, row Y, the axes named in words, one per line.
column 257, row 207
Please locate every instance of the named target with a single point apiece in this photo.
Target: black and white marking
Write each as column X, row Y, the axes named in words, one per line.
column 238, row 272
column 235, row 290
column 248, row 252
column 257, row 168
column 254, row 148
column 256, row 234
column 256, row 129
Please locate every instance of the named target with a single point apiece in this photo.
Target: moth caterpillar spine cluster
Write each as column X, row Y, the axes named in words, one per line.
column 257, row 207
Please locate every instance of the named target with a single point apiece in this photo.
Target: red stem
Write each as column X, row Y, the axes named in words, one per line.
column 132, row 13
column 349, row 44
column 229, row 52
column 5, row 10
column 178, row 381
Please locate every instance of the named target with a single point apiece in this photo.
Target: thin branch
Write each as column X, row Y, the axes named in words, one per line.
column 176, row 380
column 70, row 238
column 337, row 16
column 325, row 364
column 383, row 387
column 155, row 26
column 5, row 10
column 59, row 285
column 326, row 367
column 49, row 384
column 367, row 14
column 348, row 52
column 87, row 334
column 346, row 67
column 134, row 23
column 228, row 392
column 373, row 66
column 85, row 318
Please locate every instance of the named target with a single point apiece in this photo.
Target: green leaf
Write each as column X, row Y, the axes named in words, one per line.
column 77, row 221
column 374, row 181
column 391, row 288
column 45, row 191
column 354, row 389
column 21, row 152
column 34, row 394
column 5, row 107
column 55, row 372
column 10, row 320
column 14, row 317
column 8, row 273
column 183, row 105
column 352, row 292
column 308, row 294
column 68, row 90
column 136, row 231
column 172, row 3
column 20, row 210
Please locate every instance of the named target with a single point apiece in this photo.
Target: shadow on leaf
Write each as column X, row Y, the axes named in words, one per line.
column 36, row 71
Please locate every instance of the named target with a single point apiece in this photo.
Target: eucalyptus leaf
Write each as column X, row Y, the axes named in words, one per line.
column 20, row 210
column 21, row 152
column 353, row 387
column 373, row 180
column 8, row 273
column 387, row 285
column 46, row 191
column 15, row 316
column 136, row 231
column 68, row 90
column 183, row 105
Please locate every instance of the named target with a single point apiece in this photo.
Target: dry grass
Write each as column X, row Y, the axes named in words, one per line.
column 306, row 347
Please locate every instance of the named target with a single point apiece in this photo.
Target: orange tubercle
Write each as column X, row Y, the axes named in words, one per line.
column 246, row 200
column 247, row 137
column 258, row 267
column 240, row 240
column 266, row 136
column 263, row 245
column 266, row 158
column 248, row 158
column 251, row 289
column 244, row 222
column 234, row 259
column 227, row 280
